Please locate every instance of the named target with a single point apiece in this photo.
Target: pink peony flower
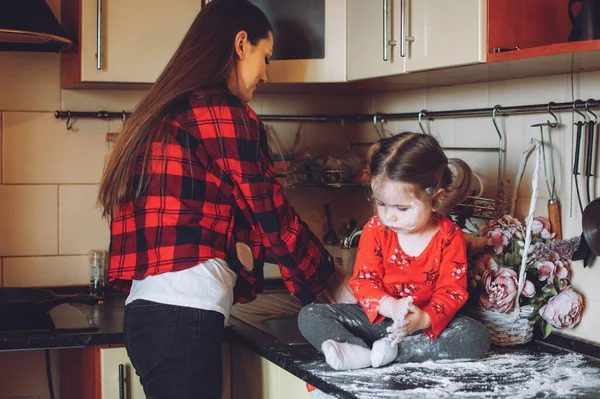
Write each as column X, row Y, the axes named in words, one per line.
column 528, row 289
column 498, row 240
column 562, row 269
column 539, row 224
column 546, row 270
column 500, row 289
column 511, row 221
column 564, row 310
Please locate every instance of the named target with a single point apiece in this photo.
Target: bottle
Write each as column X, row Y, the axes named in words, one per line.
column 97, row 274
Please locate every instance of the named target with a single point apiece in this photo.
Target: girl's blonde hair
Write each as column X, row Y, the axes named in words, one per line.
column 419, row 159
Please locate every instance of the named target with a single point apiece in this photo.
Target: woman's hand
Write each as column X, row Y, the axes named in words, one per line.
column 475, row 244
column 338, row 290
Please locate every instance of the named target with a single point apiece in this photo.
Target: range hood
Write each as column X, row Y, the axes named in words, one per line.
column 30, row 25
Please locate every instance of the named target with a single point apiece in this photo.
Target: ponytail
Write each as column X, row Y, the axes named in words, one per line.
column 459, row 186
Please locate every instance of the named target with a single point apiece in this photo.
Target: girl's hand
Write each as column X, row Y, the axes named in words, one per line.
column 415, row 320
column 396, row 309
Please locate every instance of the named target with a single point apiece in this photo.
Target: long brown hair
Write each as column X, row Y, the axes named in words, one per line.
column 205, row 58
column 419, row 159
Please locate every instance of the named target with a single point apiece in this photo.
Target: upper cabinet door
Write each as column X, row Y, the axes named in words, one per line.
column 310, row 40
column 374, row 29
column 444, row 33
column 124, row 41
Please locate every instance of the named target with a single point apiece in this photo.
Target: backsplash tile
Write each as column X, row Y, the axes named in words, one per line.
column 30, row 81
column 100, row 100
column 46, row 271
column 80, row 224
column 538, row 90
column 457, row 97
column 28, row 220
column 39, row 149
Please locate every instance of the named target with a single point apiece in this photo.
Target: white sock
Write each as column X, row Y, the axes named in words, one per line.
column 345, row 356
column 317, row 393
column 383, row 352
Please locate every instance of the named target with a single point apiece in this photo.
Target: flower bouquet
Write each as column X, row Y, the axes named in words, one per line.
column 523, row 275
column 542, row 295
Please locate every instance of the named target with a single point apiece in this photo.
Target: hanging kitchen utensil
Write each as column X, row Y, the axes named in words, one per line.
column 495, row 110
column 589, row 245
column 589, row 162
column 330, row 237
column 420, row 118
column 30, row 300
column 576, row 173
column 553, row 205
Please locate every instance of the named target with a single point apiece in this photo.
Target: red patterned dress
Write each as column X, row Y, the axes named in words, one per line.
column 436, row 279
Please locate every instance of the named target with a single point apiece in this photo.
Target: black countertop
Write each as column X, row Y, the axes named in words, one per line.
column 532, row 370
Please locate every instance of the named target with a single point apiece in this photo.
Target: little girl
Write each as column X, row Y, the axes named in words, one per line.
column 410, row 273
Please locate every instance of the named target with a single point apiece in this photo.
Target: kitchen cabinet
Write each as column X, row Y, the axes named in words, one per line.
column 122, row 41
column 327, row 66
column 105, row 372
column 117, row 375
column 527, row 29
column 393, row 37
column 254, row 377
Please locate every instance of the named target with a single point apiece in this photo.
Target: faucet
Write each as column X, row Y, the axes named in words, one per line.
column 347, row 241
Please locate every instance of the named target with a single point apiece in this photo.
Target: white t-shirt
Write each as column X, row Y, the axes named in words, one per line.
column 207, row 286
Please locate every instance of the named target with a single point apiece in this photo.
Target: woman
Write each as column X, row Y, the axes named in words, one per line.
column 189, row 179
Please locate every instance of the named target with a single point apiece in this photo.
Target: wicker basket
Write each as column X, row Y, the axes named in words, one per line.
column 506, row 329
column 514, row 327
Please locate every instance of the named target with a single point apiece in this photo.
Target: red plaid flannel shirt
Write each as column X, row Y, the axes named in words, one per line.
column 211, row 186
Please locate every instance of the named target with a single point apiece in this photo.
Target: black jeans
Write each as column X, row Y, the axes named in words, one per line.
column 175, row 350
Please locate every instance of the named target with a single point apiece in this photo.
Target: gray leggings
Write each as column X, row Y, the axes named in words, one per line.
column 463, row 338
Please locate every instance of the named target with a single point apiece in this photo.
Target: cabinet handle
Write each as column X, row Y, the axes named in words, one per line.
column 121, row 381
column 99, row 34
column 403, row 30
column 385, row 30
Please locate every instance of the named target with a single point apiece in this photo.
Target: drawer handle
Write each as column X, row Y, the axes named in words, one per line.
column 121, row 381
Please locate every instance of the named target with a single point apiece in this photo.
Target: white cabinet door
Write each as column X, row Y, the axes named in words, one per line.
column 110, row 379
column 137, row 37
column 373, row 50
column 446, row 33
column 331, row 68
column 254, row 377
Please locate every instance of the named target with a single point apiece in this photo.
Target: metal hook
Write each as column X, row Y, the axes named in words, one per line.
column 420, row 116
column 497, row 108
column 345, row 132
column 579, row 112
column 556, row 122
column 587, row 108
column 69, row 126
column 124, row 118
column 375, row 119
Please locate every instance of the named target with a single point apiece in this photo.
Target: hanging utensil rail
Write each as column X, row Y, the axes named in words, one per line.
column 457, row 113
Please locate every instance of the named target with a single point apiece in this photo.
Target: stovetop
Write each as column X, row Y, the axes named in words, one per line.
column 60, row 319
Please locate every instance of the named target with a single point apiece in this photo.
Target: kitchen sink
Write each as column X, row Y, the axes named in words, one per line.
column 275, row 313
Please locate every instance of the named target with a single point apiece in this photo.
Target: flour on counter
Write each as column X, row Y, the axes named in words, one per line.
column 514, row 375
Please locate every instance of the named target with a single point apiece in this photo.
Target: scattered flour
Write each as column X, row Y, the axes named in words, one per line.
column 514, row 375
